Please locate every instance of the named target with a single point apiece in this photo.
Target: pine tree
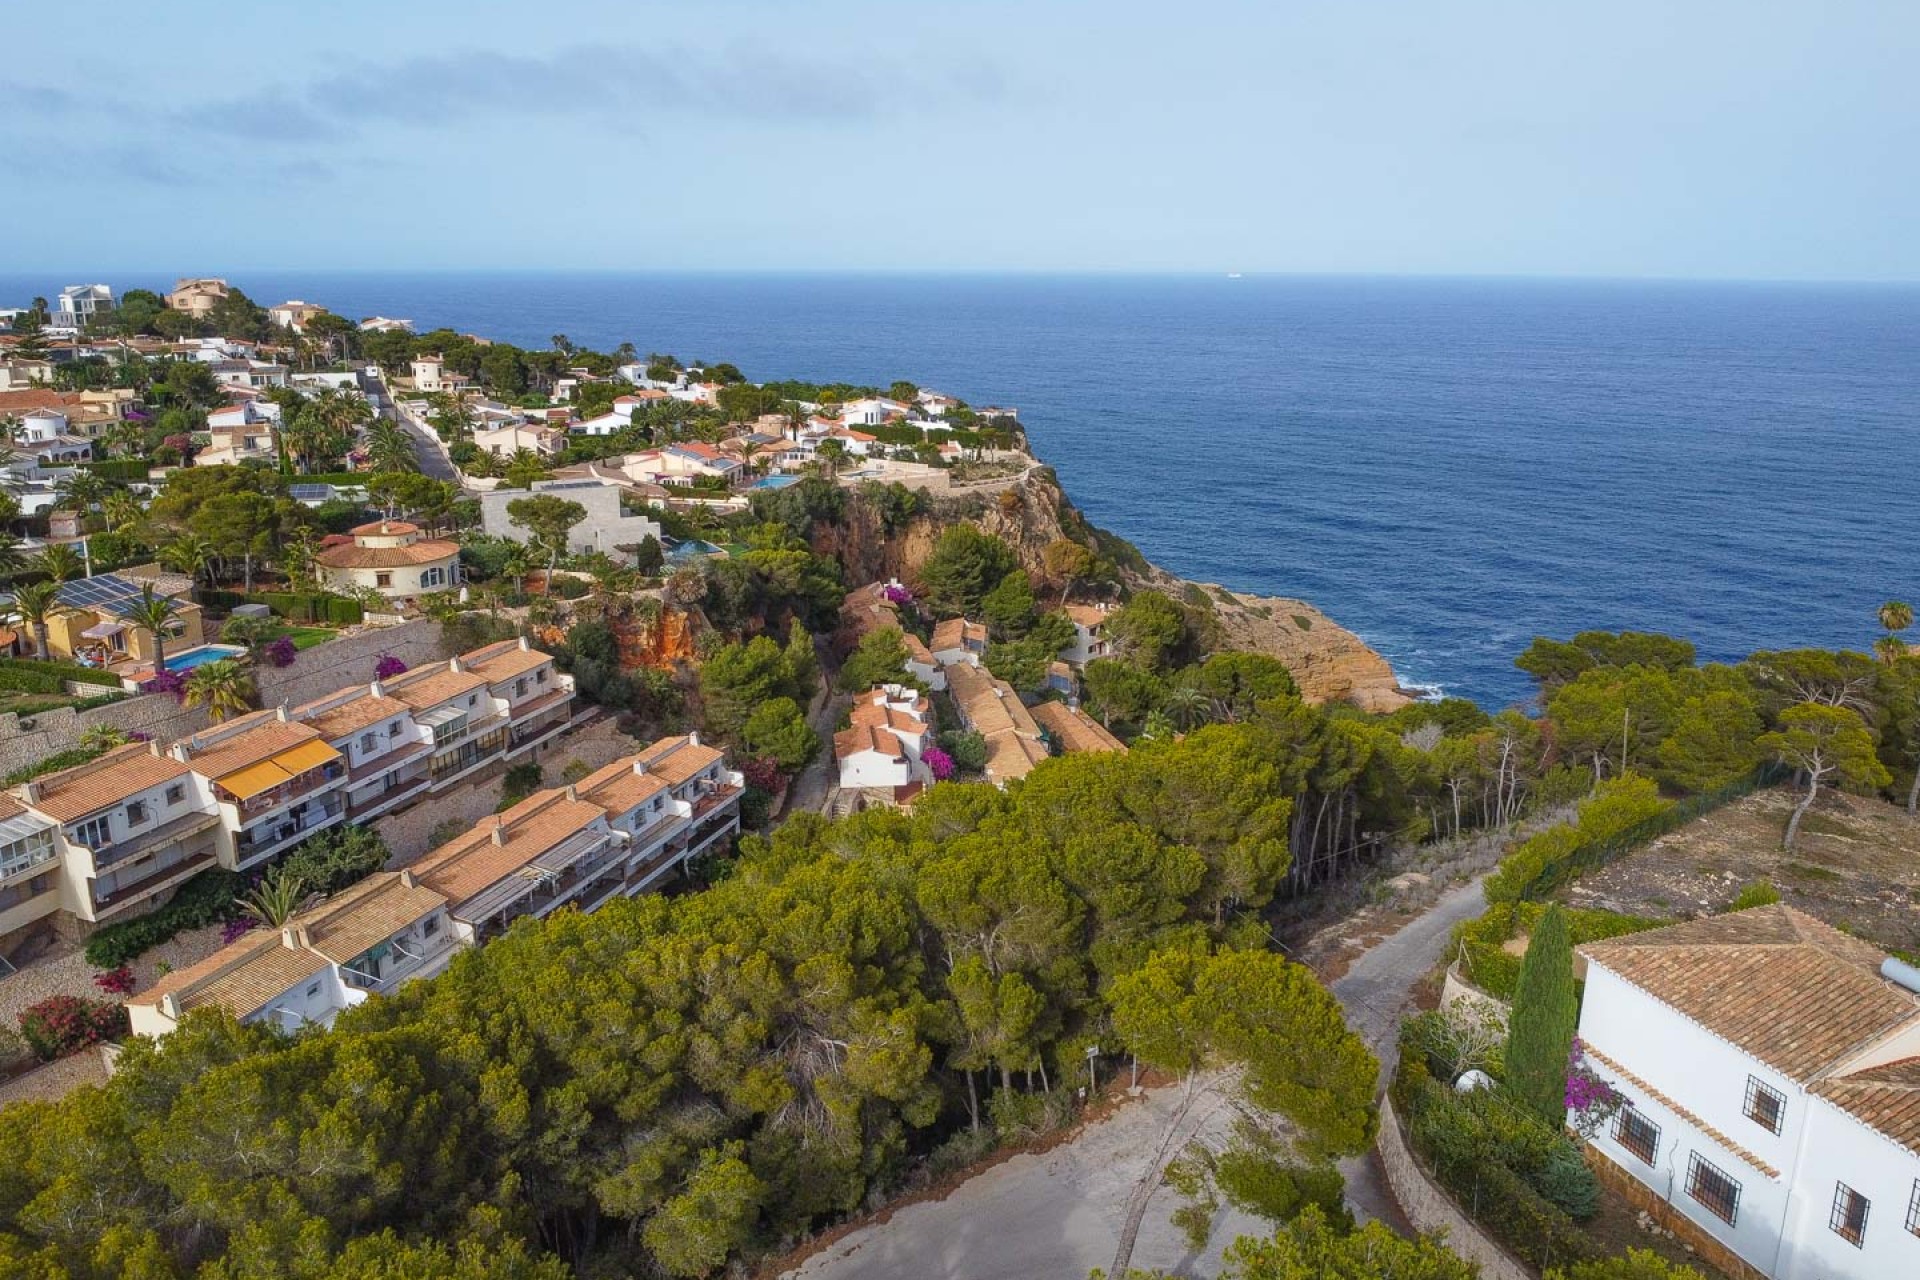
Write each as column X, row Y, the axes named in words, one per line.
column 1540, row 1029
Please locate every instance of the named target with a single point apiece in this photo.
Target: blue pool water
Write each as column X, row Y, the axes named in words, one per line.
column 188, row 659
column 776, row 482
column 1445, row 466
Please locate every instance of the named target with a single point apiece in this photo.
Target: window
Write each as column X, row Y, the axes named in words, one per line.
column 382, row 579
column 1849, row 1216
column 429, row 926
column 136, row 813
column 1636, row 1133
column 1765, row 1107
column 1913, row 1208
column 1718, row 1194
column 369, row 742
column 520, row 687
column 94, row 833
column 313, row 991
column 540, row 676
column 177, row 793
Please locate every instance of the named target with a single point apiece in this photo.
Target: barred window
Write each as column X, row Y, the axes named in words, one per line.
column 1913, row 1208
column 1766, row 1107
column 1849, row 1216
column 1636, row 1133
column 1712, row 1188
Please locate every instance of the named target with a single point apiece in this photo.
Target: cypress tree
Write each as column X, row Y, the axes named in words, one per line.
column 1540, row 1029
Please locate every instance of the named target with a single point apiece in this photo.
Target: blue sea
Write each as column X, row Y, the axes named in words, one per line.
column 1447, row 467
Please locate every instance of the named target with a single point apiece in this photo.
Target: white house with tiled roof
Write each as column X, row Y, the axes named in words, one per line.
column 391, row 557
column 365, row 940
column 386, row 750
column 1772, row 1078
column 275, row 781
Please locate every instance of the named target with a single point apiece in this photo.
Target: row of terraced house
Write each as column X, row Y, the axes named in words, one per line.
column 109, row 839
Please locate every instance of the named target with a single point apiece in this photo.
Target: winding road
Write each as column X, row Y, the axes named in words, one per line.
column 1058, row 1213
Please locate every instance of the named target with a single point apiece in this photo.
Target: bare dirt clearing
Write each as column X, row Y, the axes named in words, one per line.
column 1857, row 867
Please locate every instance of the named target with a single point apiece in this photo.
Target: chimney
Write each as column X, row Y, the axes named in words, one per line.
column 693, row 739
column 499, row 834
column 376, row 690
column 155, row 749
column 572, row 792
column 454, row 664
column 406, row 879
column 280, row 713
column 525, row 644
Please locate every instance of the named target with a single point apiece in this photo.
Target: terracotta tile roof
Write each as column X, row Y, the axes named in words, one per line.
column 25, row 399
column 1794, row 992
column 879, row 716
column 103, row 782
column 385, row 528
column 1088, row 616
column 425, row 687
column 618, row 788
column 426, row 551
column 1074, row 729
column 351, row 922
column 472, row 862
column 230, row 754
column 677, row 759
column 1702, row 1126
column 242, row 979
column 9, row 807
column 1011, row 756
column 504, row 661
column 866, row 737
column 954, row 633
column 990, row 706
column 1886, row 1098
column 341, row 719
column 917, row 650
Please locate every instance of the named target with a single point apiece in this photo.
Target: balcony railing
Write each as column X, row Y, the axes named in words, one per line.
column 20, row 864
column 262, row 840
column 122, row 896
column 287, row 792
column 169, row 832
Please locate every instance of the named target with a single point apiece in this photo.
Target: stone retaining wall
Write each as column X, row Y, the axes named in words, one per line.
column 156, row 714
column 330, row 667
column 1457, row 989
column 1429, row 1208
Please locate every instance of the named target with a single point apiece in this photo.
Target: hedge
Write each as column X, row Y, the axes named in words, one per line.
column 320, row 606
column 120, row 468
column 1559, row 855
column 1489, row 966
column 31, row 675
column 206, row 899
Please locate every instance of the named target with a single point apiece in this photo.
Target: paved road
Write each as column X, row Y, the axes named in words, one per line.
column 426, row 445
column 1374, row 992
column 1058, row 1214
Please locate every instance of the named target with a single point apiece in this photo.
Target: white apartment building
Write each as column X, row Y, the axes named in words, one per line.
column 1772, row 1078
column 883, row 745
column 275, row 782
column 498, row 702
column 79, row 303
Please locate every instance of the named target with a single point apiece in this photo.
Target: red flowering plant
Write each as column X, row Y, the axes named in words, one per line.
column 166, row 682
column 1591, row 1101
column 939, row 763
column 762, row 773
column 61, row 1025
column 115, row 982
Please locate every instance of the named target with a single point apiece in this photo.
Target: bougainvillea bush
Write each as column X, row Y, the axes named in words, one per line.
column 388, row 667
column 939, row 763
column 166, row 682
column 761, row 772
column 281, row 652
column 60, row 1025
column 115, row 982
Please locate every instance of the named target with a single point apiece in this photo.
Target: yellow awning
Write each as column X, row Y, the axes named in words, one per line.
column 254, row 779
column 308, row 755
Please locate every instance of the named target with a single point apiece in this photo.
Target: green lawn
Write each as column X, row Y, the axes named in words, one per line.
column 307, row 637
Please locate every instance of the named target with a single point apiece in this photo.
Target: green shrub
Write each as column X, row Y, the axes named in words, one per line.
column 521, row 781
column 1489, row 966
column 330, row 860
column 1760, row 893
column 206, row 899
column 1565, row 1179
column 1533, row 862
column 23, row 675
column 566, row 588
column 56, row 762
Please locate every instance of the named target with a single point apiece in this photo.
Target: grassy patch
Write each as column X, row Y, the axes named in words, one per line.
column 1303, row 622
column 1819, row 824
column 307, row 637
column 1807, row 871
column 1225, row 596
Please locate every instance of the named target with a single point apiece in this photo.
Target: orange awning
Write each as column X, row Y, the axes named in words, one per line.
column 246, row 783
column 308, row 755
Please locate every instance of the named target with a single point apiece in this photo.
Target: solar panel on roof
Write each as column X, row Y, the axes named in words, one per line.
column 305, row 492
column 103, row 590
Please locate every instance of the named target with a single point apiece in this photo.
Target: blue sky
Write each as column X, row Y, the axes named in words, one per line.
column 1636, row 138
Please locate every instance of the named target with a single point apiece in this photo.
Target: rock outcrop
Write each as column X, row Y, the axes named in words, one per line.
column 1328, row 662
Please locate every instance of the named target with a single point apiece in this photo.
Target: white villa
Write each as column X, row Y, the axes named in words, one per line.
column 393, row 558
column 1771, row 1067
column 881, row 748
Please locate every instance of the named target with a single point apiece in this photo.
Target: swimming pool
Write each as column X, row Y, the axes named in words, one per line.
column 201, row 655
column 776, row 482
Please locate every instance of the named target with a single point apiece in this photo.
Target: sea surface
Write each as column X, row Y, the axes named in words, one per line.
column 1448, row 467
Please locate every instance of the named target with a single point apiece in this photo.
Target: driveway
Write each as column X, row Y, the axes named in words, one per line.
column 1059, row 1213
column 1375, row 991
column 426, row 445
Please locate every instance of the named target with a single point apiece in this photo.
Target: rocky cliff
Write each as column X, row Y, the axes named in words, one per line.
column 1031, row 511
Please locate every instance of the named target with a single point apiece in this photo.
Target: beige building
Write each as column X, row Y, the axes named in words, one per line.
column 393, row 558
column 198, row 296
column 96, row 624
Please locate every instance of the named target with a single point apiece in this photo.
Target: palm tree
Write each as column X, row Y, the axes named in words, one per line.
column 1187, row 705
column 1896, row 616
column 121, row 509
column 82, row 488
column 273, row 903
column 154, row 613
column 125, row 439
column 518, row 564
column 390, row 448
column 191, row 554
column 831, row 453
column 59, row 561
column 10, row 557
column 223, row 687
column 296, row 556
column 37, row 604
column 749, row 449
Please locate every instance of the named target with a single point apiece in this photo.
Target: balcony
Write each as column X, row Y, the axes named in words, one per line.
column 407, row 791
column 169, row 832
column 469, row 754
column 387, row 761
column 252, row 845
column 133, row 893
column 286, row 793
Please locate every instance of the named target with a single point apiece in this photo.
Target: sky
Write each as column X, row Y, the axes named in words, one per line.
column 1704, row 139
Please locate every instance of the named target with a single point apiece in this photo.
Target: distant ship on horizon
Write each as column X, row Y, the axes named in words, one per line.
column 1233, row 275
